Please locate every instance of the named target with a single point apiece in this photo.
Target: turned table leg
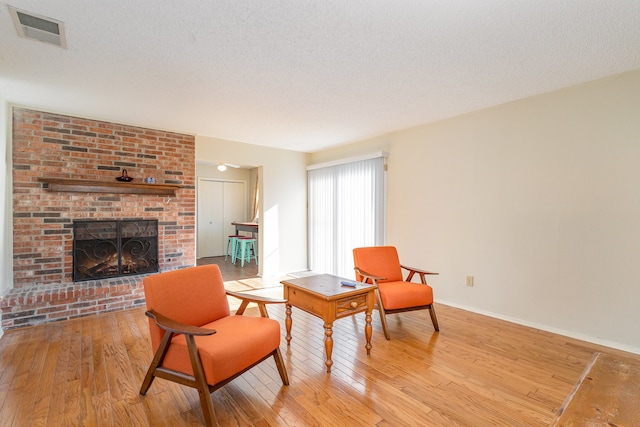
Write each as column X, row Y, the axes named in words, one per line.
column 367, row 331
column 328, row 344
column 287, row 322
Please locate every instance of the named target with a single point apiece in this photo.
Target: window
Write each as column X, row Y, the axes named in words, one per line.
column 346, row 210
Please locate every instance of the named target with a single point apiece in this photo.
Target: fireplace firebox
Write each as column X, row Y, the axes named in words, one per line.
column 103, row 249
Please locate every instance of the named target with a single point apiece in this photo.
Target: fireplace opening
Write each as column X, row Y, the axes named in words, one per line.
column 113, row 248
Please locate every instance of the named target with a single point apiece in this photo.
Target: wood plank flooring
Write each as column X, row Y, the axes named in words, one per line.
column 229, row 270
column 477, row 371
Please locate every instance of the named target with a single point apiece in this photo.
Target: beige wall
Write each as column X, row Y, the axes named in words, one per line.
column 539, row 200
column 283, row 195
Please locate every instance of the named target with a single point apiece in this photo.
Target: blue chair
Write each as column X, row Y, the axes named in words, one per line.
column 232, row 242
column 244, row 247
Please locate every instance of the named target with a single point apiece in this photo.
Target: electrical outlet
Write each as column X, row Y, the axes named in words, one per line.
column 469, row 280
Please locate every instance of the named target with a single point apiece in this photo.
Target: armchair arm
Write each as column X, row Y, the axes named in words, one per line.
column 260, row 300
column 413, row 271
column 256, row 298
column 174, row 326
column 368, row 276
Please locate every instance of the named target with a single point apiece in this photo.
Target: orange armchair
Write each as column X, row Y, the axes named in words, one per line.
column 196, row 340
column 380, row 265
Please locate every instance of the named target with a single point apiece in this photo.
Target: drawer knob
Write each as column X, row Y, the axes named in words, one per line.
column 354, row 304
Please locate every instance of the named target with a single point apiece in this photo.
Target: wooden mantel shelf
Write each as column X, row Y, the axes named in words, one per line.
column 116, row 187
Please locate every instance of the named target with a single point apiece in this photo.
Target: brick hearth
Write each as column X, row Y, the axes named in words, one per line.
column 47, row 145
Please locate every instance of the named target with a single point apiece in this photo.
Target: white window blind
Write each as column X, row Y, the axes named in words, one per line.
column 346, row 210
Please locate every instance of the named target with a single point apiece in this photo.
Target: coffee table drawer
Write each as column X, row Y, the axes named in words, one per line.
column 347, row 306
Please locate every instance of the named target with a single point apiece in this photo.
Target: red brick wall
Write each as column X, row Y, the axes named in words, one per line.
column 47, row 145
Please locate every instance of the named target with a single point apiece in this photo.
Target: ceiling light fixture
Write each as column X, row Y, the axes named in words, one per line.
column 223, row 166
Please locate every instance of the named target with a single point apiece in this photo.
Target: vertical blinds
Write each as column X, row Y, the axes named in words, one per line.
column 346, row 210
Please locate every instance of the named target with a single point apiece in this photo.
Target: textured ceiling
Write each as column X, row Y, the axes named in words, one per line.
column 304, row 75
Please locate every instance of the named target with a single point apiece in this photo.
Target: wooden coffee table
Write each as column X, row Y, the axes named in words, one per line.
column 323, row 296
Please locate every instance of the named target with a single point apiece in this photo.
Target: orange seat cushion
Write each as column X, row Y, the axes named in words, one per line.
column 239, row 342
column 400, row 294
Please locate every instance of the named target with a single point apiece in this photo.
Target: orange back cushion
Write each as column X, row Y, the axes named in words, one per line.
column 194, row 295
column 380, row 261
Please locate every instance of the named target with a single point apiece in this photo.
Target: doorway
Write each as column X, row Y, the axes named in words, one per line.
column 220, row 202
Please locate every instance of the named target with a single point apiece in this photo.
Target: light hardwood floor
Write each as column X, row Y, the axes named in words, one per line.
column 229, row 270
column 477, row 371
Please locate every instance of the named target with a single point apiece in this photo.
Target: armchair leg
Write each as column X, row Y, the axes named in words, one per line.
column 383, row 319
column 277, row 356
column 201, row 383
column 383, row 315
column 434, row 319
column 157, row 361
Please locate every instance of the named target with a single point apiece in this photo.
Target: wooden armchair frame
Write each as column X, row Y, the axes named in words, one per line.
column 198, row 380
column 372, row 278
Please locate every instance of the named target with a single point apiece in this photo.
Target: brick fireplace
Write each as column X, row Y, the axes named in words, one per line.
column 64, row 170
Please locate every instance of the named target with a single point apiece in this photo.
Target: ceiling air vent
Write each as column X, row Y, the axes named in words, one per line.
column 32, row 26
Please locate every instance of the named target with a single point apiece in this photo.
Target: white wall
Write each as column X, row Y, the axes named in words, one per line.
column 6, row 206
column 283, row 195
column 539, row 200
